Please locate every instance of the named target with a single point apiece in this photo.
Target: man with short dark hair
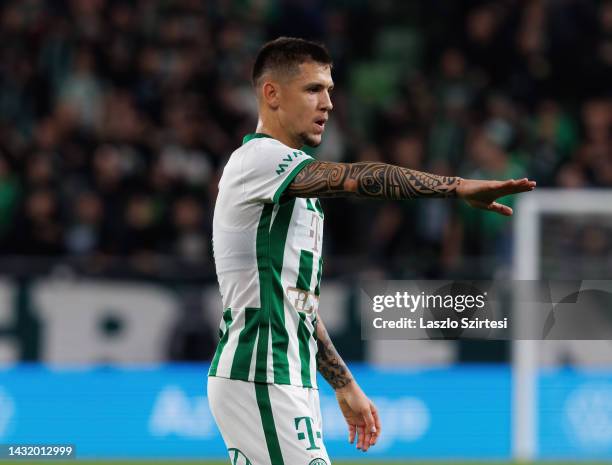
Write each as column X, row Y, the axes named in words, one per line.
column 267, row 240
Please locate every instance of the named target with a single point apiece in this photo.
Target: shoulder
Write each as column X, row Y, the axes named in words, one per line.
column 270, row 153
column 265, row 145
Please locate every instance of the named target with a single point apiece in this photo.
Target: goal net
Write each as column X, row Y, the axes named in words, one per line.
column 558, row 235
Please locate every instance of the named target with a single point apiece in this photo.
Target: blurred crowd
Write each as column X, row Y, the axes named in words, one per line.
column 116, row 117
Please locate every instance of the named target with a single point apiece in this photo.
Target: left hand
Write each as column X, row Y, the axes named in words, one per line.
column 482, row 194
column 360, row 414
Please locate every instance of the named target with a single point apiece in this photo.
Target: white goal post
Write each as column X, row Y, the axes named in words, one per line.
column 527, row 256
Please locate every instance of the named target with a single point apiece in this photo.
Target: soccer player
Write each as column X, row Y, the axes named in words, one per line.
column 267, row 241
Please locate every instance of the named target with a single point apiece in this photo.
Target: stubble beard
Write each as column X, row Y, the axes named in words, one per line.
column 306, row 139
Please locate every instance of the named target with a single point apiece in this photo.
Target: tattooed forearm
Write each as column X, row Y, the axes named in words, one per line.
column 329, row 363
column 369, row 179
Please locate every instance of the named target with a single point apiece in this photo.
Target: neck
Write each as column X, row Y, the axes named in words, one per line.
column 277, row 132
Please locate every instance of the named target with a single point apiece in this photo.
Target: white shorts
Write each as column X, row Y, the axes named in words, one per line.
column 268, row 424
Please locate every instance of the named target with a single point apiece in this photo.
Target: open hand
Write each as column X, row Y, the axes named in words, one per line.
column 483, row 194
column 360, row 415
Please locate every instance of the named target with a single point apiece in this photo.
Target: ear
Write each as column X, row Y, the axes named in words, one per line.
column 271, row 94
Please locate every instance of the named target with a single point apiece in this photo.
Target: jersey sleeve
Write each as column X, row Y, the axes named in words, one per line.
column 268, row 170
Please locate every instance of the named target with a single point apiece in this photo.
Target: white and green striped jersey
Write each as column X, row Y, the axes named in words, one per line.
column 268, row 260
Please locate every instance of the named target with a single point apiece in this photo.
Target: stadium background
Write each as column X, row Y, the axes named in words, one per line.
column 116, row 118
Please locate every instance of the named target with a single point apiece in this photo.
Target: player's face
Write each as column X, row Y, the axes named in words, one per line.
column 305, row 103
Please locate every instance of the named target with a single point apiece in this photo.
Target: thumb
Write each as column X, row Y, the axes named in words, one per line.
column 499, row 208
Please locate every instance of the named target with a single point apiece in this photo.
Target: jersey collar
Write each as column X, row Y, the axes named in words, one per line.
column 255, row 135
column 258, row 135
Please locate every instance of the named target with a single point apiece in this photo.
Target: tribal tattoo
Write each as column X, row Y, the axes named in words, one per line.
column 369, row 179
column 329, row 363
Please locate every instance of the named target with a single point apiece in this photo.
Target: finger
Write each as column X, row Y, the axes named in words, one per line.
column 512, row 186
column 517, row 182
column 519, row 187
column 360, row 434
column 365, row 443
column 365, row 438
column 527, row 181
column 352, row 431
column 499, row 208
column 370, row 428
column 376, row 424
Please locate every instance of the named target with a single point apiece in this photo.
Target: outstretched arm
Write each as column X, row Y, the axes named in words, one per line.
column 383, row 181
column 359, row 411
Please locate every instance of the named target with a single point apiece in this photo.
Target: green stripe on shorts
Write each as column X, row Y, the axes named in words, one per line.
column 267, row 421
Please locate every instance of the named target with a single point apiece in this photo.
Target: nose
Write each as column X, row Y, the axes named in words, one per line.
column 326, row 103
